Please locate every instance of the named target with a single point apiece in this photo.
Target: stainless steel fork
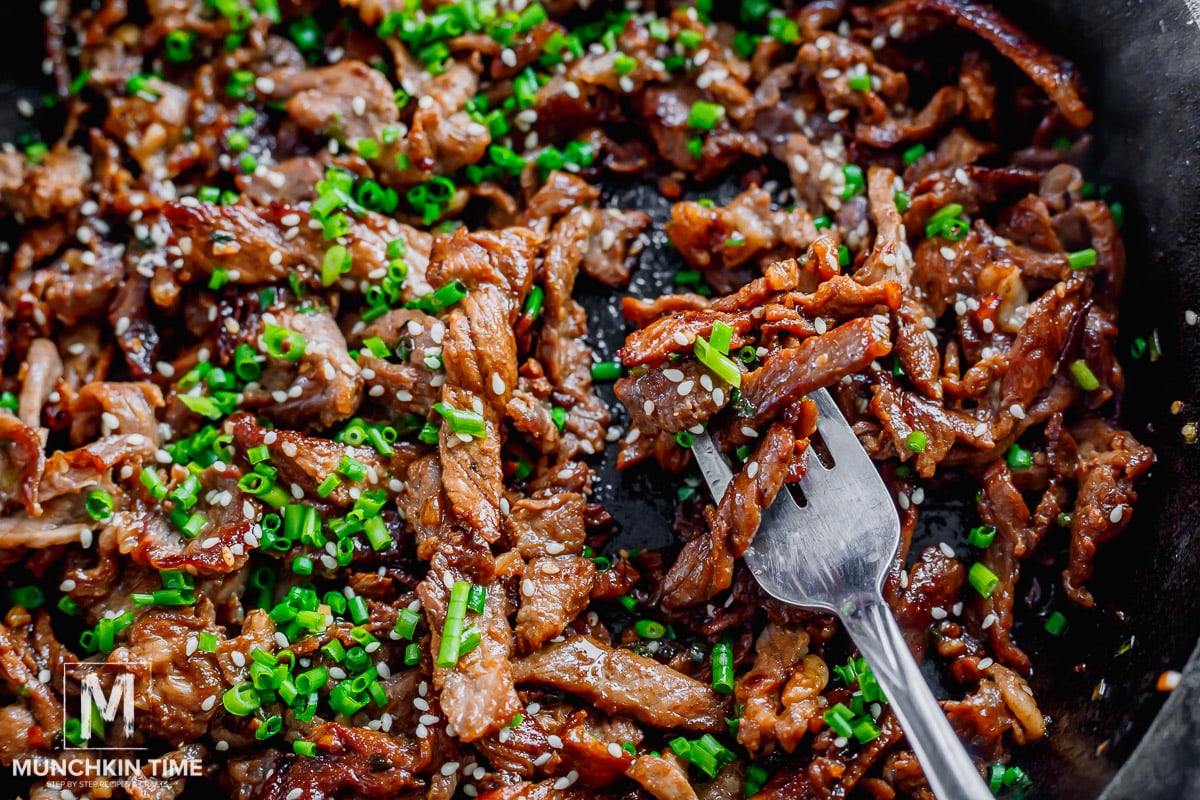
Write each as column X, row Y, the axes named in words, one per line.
column 832, row 554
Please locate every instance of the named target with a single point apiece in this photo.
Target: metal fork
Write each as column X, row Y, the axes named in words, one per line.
column 832, row 554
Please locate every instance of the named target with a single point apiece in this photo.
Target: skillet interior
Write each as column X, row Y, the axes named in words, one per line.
column 1142, row 63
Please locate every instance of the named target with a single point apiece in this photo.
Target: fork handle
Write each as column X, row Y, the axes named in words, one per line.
column 950, row 772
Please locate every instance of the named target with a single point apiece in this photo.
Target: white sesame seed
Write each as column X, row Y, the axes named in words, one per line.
column 751, row 469
column 988, row 621
column 673, row 375
column 449, row 768
column 554, row 741
column 295, row 794
column 1189, row 317
column 681, row 339
column 1116, row 514
column 984, row 663
column 948, row 253
column 946, row 549
column 208, row 703
column 238, row 658
column 938, row 613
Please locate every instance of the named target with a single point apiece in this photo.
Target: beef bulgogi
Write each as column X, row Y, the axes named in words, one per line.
column 300, row 417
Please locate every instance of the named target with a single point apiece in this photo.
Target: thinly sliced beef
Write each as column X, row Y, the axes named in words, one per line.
column 477, row 696
column 818, row 361
column 705, row 565
column 553, row 592
column 620, row 682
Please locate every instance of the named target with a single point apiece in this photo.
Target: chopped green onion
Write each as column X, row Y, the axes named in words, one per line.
column 283, row 343
column 469, row 423
column 606, row 371
column 902, row 200
column 722, row 668
column 533, row 303
column 705, row 116
column 1082, row 259
column 29, row 597
column 843, row 255
column 983, row 579
column 982, row 536
column 860, row 83
column 1018, row 457
column 470, row 640
column 1056, row 624
column 1084, row 376
column 440, row 300
column 913, row 153
column 452, row 632
column 855, row 180
column 559, row 416
column 99, row 505
column 916, row 441
column 721, row 337
column 241, row 700
column 720, row 364
column 948, row 222
column 684, row 439
column 649, row 629
column 406, row 624
column 477, row 598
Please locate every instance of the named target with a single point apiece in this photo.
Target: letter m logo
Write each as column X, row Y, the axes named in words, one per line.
column 93, row 699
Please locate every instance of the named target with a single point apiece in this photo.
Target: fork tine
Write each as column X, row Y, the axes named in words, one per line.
column 835, row 431
column 716, row 472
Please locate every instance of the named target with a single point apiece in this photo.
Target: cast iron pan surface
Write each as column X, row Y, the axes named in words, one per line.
column 1142, row 62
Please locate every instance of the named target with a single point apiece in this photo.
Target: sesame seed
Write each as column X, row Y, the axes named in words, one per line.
column 751, row 469
column 988, row 325
column 984, row 663
column 948, row 253
column 946, row 549
column 938, row 613
column 673, row 375
column 208, row 703
column 238, row 658
column 988, row 621
column 685, row 388
column 681, row 339
column 1116, row 514
column 648, row 407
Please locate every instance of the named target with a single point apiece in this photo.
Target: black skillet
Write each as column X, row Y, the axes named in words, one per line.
column 1142, row 61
